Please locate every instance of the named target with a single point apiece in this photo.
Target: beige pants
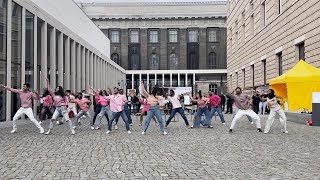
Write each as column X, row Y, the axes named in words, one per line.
column 272, row 115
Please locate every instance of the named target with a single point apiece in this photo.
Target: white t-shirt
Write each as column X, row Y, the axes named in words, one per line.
column 273, row 104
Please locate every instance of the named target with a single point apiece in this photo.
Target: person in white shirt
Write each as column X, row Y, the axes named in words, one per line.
column 275, row 108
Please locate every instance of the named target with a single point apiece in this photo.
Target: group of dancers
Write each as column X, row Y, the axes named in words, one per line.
column 113, row 105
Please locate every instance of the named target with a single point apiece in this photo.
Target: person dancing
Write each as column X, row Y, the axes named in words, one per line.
column 60, row 102
column 47, row 104
column 84, row 105
column 105, row 108
column 145, row 110
column 26, row 97
column 202, row 108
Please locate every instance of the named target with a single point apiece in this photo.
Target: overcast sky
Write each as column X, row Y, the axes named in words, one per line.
column 143, row 0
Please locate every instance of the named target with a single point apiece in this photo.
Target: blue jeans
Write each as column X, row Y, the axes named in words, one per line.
column 197, row 118
column 116, row 115
column 213, row 111
column 128, row 113
column 154, row 111
column 173, row 113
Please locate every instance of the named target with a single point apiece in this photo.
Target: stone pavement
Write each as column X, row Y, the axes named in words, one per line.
column 182, row 154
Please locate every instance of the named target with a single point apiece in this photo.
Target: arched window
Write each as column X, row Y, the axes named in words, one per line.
column 154, row 62
column 135, row 62
column 213, row 88
column 115, row 57
column 212, row 62
column 173, row 61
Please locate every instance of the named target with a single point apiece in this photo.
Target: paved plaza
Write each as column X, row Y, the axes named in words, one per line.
column 182, row 154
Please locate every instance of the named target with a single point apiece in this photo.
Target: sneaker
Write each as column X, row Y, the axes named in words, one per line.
column 286, row 132
column 131, row 124
column 224, row 123
column 230, row 130
column 41, row 130
column 74, row 127
column 265, row 132
column 73, row 131
column 210, row 126
column 58, row 122
column 251, row 122
column 40, row 122
column 191, row 127
column 79, row 122
column 97, row 128
column 92, row 128
column 259, row 130
column 143, row 133
column 115, row 127
column 129, row 132
column 108, row 132
column 13, row 130
column 48, row 132
column 164, row 133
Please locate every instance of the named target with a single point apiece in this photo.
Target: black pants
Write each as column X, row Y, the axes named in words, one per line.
column 223, row 105
column 229, row 108
column 96, row 112
column 255, row 108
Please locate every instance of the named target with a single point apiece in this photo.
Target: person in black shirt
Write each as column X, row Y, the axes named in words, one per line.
column 255, row 102
column 229, row 105
column 223, row 101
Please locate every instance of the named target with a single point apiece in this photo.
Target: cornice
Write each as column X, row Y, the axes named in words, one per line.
column 154, row 3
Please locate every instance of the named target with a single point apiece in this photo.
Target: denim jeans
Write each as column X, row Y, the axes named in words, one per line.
column 60, row 110
column 173, row 113
column 116, row 115
column 128, row 113
column 96, row 112
column 81, row 113
column 197, row 118
column 105, row 111
column 213, row 111
column 154, row 111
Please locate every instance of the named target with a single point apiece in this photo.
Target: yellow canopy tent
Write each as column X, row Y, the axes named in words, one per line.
column 296, row 86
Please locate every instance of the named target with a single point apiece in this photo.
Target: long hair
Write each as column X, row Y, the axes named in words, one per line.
column 105, row 92
column 271, row 94
column 153, row 91
column 200, row 94
column 60, row 92
column 45, row 93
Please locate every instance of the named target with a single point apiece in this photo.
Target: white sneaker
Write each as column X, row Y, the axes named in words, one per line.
column 74, row 127
column 58, row 122
column 13, row 130
column 131, row 124
column 97, row 128
column 224, row 123
column 115, row 127
column 286, row 132
column 143, row 133
column 251, row 122
column 108, row 132
column 164, row 133
column 40, row 122
column 41, row 131
column 129, row 132
column 73, row 131
column 92, row 128
column 48, row 132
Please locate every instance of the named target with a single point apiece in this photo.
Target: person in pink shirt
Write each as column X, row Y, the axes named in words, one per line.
column 60, row 102
column 71, row 106
column 117, row 102
column 215, row 104
column 145, row 110
column 84, row 105
column 105, row 108
column 176, row 108
column 47, row 104
column 26, row 97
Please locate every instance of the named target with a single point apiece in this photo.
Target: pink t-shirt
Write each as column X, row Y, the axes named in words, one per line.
column 57, row 99
column 47, row 102
column 146, row 106
column 175, row 102
column 117, row 102
column 103, row 101
column 83, row 104
column 97, row 99
column 25, row 97
column 215, row 100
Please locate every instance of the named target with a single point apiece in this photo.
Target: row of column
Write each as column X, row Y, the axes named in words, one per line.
column 156, row 75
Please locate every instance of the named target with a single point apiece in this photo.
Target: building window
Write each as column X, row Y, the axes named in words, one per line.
column 193, row 61
column 29, row 46
column 212, row 64
column 252, row 70
column 153, row 36
column 279, row 57
column 134, row 36
column 301, row 51
column 173, row 61
column 213, row 88
column 237, row 80
column 134, row 59
column 263, row 13
column 244, row 77
column 115, row 36
column 279, row 6
column 173, row 36
column 154, row 62
column 264, row 66
column 116, row 58
column 212, row 35
column 193, row 35
column 3, row 57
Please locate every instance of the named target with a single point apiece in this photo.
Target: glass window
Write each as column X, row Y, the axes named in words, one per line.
column 153, row 36
column 279, row 55
column 173, row 36
column 29, row 48
column 193, row 36
column 3, row 57
column 212, row 61
column 264, row 65
column 193, row 61
column 135, row 62
column 115, row 36
column 134, row 36
column 154, row 62
column 115, row 58
column 213, row 88
column 173, row 61
column 212, row 35
column 16, row 46
column 301, row 51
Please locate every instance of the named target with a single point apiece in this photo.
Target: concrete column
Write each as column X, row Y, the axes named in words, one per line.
column 53, row 58
column 194, row 78
column 148, row 84
column 91, row 69
column 87, row 74
column 73, row 66
column 83, row 68
column 44, row 62
column 178, row 79
column 170, row 79
column 186, row 78
column 162, row 79
column 78, row 64
column 132, row 81
column 23, row 49
column 155, row 78
column 95, row 81
column 140, row 78
column 35, row 58
column 60, row 60
column 9, row 39
column 67, row 63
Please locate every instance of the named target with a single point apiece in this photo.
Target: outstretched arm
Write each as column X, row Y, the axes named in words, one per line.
column 95, row 93
column 49, row 88
column 35, row 95
column 10, row 89
column 142, row 90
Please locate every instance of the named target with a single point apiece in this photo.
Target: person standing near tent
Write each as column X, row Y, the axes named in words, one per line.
column 255, row 102
column 242, row 101
column 275, row 109
column 263, row 102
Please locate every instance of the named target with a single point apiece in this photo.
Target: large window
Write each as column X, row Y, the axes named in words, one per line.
column 212, row 63
column 153, row 36
column 115, row 57
column 263, row 13
column 29, row 48
column 213, row 88
column 3, row 57
column 154, row 62
column 193, row 61
column 173, row 61
column 279, row 57
column 212, row 35
column 134, row 36
column 135, row 62
column 193, row 35
column 301, row 51
column 264, row 66
column 115, row 36
column 173, row 36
